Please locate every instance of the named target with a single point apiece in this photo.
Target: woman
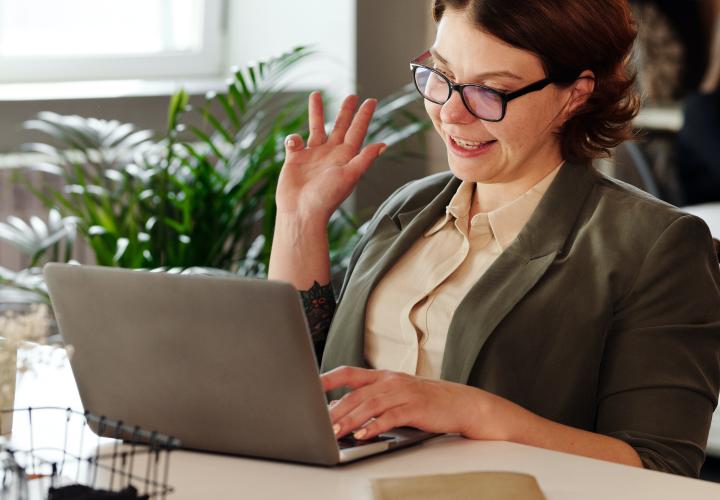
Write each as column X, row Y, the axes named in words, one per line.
column 520, row 296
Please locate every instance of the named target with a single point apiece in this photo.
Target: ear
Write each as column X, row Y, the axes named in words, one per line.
column 580, row 91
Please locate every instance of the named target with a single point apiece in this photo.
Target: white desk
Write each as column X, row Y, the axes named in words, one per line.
column 561, row 476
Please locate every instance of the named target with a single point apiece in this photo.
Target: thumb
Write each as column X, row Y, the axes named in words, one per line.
column 294, row 142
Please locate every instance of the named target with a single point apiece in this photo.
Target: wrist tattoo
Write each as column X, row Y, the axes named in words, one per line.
column 319, row 304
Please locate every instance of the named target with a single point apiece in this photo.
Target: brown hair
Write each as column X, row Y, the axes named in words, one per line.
column 570, row 36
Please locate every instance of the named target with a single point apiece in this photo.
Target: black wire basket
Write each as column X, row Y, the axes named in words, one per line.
column 58, row 453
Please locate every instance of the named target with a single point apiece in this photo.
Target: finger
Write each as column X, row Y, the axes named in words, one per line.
column 348, row 376
column 363, row 161
column 359, row 126
column 316, row 120
column 394, row 417
column 370, row 408
column 353, row 399
column 294, row 142
column 343, row 120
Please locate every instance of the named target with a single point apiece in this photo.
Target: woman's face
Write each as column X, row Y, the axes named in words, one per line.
column 522, row 144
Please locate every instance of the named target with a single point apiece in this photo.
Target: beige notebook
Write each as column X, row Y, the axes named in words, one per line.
column 464, row 486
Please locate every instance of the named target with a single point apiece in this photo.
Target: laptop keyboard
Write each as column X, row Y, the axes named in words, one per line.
column 350, row 442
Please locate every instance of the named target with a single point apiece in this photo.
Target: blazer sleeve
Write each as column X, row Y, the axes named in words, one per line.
column 660, row 372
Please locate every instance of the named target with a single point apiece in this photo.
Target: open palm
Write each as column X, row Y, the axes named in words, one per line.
column 317, row 177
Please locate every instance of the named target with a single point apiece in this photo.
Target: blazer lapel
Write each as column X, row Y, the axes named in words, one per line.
column 393, row 236
column 515, row 271
column 501, row 287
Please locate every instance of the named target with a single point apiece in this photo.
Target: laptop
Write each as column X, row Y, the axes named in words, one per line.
column 224, row 364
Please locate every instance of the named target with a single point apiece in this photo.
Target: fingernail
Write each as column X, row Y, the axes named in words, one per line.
column 382, row 150
column 336, row 429
column 290, row 142
column 360, row 434
column 371, row 103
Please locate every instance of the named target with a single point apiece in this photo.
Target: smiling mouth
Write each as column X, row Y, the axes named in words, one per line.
column 470, row 145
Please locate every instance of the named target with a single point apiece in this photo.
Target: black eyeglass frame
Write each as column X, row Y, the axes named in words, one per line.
column 505, row 97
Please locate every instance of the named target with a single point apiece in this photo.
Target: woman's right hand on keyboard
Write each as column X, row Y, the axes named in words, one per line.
column 317, row 177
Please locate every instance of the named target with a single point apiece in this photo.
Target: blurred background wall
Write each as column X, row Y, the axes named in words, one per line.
column 364, row 46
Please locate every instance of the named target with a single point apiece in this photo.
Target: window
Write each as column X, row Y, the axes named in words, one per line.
column 50, row 40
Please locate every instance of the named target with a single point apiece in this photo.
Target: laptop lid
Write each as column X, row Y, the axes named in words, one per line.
column 224, row 364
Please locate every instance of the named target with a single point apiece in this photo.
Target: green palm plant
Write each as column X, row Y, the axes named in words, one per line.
column 38, row 237
column 204, row 193
column 53, row 240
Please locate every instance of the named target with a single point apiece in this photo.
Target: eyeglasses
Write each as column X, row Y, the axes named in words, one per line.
column 483, row 102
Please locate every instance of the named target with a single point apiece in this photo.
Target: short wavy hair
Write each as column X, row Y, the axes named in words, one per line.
column 570, row 36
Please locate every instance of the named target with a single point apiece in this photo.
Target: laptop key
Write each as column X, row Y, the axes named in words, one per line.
column 350, row 442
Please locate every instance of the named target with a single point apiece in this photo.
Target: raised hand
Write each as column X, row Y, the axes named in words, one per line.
column 317, row 177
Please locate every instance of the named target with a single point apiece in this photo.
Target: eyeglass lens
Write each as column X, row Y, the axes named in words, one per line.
column 483, row 103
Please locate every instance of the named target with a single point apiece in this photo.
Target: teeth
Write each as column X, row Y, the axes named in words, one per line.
column 467, row 144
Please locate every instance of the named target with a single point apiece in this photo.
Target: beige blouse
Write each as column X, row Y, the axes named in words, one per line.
column 409, row 312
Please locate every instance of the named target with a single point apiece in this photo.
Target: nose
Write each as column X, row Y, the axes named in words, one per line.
column 454, row 110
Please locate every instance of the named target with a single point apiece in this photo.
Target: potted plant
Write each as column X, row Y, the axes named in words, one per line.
column 203, row 194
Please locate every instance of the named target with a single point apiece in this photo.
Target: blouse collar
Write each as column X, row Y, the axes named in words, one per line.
column 505, row 222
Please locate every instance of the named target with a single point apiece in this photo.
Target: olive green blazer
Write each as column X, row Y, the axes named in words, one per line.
column 603, row 314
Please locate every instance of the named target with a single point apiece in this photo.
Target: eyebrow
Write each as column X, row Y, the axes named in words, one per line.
column 481, row 76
